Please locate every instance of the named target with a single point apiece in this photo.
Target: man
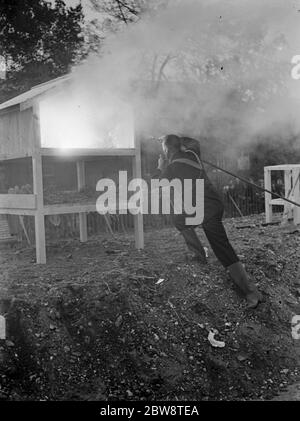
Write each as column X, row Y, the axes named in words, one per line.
column 171, row 168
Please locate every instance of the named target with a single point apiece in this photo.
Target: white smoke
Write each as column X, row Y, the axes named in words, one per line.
column 207, row 67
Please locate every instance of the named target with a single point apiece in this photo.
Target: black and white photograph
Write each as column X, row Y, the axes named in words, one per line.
column 149, row 204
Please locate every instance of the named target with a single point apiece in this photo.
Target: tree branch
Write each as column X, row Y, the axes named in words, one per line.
column 153, row 68
column 121, row 11
column 134, row 12
column 161, row 70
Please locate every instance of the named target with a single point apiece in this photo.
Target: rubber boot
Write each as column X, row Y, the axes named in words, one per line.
column 241, row 279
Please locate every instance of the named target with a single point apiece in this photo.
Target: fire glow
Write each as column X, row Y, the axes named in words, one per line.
column 69, row 122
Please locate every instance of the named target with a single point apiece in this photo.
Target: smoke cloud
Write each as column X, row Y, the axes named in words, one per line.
column 210, row 68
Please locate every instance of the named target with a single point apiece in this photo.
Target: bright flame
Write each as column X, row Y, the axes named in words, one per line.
column 68, row 122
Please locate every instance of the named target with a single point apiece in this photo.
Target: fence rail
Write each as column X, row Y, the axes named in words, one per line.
column 67, row 226
column 238, row 198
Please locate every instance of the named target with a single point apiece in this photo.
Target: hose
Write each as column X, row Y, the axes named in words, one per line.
column 250, row 183
column 244, row 180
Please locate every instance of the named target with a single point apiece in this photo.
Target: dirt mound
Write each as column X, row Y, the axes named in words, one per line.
column 104, row 321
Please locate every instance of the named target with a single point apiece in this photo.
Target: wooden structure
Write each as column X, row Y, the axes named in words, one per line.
column 20, row 137
column 4, row 230
column 291, row 189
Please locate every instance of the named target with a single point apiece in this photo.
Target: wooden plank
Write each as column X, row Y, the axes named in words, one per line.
column 6, row 157
column 36, row 129
column 40, row 237
column 78, row 152
column 76, row 208
column 277, row 202
column 16, row 134
column 12, row 108
column 282, row 167
column 18, row 201
column 81, row 183
column 28, row 131
column 83, row 227
column 268, row 196
column 138, row 219
column 82, row 216
column 31, row 103
column 21, row 219
column 24, row 212
column 287, row 214
column 287, row 183
column 65, row 209
column 296, row 180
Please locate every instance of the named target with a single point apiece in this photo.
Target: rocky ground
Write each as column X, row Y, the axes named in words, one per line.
column 103, row 321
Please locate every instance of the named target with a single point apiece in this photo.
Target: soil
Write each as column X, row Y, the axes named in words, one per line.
column 103, row 321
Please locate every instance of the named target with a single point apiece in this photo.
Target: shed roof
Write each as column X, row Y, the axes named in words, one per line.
column 34, row 92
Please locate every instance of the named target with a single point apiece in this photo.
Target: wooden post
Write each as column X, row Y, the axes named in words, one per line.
column 268, row 196
column 138, row 219
column 287, row 193
column 287, row 183
column 82, row 216
column 296, row 196
column 40, row 238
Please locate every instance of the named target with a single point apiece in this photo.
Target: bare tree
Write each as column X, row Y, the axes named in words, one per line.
column 126, row 11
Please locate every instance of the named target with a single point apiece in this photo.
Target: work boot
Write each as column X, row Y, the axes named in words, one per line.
column 240, row 278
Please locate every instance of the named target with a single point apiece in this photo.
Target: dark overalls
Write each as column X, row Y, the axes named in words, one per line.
column 213, row 212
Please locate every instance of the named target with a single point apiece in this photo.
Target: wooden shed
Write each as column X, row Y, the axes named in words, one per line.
column 22, row 142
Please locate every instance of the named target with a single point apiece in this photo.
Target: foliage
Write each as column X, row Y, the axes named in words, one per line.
column 39, row 40
column 274, row 151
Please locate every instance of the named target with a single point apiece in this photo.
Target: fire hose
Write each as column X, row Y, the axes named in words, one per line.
column 245, row 180
column 250, row 183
